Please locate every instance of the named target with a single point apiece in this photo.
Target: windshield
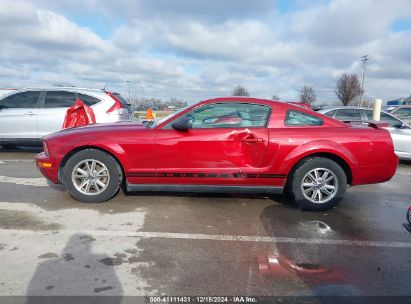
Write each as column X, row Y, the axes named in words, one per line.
column 169, row 116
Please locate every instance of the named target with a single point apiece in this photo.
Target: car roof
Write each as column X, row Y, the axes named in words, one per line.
column 60, row 88
column 343, row 107
column 255, row 100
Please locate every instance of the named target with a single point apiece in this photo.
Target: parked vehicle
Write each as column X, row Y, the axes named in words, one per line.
column 399, row 130
column 5, row 91
column 403, row 113
column 28, row 114
column 228, row 144
column 409, row 215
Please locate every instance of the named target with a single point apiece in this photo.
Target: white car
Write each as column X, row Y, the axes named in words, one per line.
column 399, row 130
column 28, row 114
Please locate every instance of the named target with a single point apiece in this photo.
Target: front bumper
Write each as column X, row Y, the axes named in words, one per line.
column 47, row 167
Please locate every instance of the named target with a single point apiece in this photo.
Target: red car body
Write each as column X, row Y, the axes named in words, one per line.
column 245, row 158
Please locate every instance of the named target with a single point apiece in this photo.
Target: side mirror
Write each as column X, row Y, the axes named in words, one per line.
column 183, row 124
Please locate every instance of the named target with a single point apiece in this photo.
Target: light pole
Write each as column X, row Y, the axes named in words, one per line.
column 364, row 60
column 129, row 97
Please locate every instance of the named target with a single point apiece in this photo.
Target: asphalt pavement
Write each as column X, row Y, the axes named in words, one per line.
column 190, row 244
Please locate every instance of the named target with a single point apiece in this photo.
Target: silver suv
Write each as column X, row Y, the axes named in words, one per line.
column 28, row 114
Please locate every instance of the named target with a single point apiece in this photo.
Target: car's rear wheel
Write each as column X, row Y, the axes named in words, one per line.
column 92, row 176
column 318, row 184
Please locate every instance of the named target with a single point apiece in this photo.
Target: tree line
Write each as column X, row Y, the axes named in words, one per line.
column 347, row 90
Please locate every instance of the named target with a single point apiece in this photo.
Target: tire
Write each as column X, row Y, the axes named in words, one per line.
column 103, row 182
column 318, row 194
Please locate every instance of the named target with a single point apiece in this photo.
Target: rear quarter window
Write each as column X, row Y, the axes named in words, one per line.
column 88, row 100
column 297, row 118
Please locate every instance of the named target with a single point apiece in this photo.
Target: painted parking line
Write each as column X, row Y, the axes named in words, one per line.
column 211, row 237
column 26, row 181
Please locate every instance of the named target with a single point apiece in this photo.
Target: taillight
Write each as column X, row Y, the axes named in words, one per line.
column 45, row 148
column 117, row 104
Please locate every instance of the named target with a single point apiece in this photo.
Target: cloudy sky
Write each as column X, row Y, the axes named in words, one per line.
column 196, row 49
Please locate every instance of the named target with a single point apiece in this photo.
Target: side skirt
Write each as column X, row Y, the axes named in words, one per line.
column 204, row 188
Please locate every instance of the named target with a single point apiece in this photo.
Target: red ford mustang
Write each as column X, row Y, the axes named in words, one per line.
column 239, row 145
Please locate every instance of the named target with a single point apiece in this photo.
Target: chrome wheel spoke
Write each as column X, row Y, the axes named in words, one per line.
column 310, row 185
column 88, row 185
column 82, row 172
column 83, row 184
column 100, row 183
column 88, row 166
column 325, row 190
column 102, row 172
column 320, row 196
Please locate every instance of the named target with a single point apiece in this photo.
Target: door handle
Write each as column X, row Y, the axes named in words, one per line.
column 29, row 114
column 252, row 140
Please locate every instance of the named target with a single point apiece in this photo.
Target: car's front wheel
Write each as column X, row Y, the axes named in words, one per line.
column 92, row 176
column 318, row 184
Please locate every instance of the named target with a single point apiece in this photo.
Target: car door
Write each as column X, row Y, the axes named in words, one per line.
column 18, row 115
column 52, row 111
column 227, row 143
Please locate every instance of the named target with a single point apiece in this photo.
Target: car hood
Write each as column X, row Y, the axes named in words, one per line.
column 99, row 128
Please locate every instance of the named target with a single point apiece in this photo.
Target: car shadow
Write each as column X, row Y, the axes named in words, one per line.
column 280, row 198
column 76, row 271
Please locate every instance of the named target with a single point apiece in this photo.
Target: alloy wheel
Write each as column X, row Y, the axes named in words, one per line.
column 90, row 177
column 319, row 185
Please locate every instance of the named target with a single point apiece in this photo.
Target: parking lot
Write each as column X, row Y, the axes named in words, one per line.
column 169, row 244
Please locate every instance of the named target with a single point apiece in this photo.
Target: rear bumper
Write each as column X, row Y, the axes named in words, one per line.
column 377, row 173
column 47, row 167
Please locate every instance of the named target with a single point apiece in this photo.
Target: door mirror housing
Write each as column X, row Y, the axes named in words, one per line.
column 183, row 124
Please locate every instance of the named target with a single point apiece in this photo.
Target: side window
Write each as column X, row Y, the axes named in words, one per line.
column 348, row 114
column 59, row 99
column 392, row 121
column 229, row 115
column 330, row 113
column 88, row 100
column 296, row 118
column 403, row 113
column 21, row 100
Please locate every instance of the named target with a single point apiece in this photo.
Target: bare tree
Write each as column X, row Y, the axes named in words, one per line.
column 275, row 97
column 307, row 95
column 348, row 88
column 240, row 91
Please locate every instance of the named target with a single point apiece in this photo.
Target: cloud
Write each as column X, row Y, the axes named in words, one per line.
column 200, row 49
